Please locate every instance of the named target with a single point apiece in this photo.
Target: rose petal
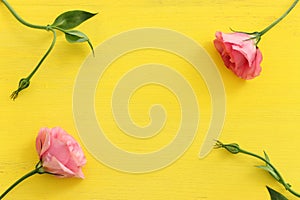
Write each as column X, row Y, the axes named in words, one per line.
column 60, row 150
column 43, row 141
column 53, row 165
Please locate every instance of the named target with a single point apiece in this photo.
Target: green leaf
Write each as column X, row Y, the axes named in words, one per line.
column 267, row 157
column 71, row 19
column 276, row 195
column 74, row 36
column 270, row 170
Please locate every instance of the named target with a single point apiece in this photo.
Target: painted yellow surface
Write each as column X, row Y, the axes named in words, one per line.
column 262, row 114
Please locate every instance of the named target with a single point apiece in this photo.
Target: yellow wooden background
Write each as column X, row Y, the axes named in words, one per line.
column 262, row 114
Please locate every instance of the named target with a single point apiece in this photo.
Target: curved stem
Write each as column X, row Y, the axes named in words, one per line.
column 261, row 33
column 234, row 149
column 25, row 82
column 293, row 192
column 281, row 180
column 45, row 56
column 267, row 162
column 22, row 20
column 35, row 171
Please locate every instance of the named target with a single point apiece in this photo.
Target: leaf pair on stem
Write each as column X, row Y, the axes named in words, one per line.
column 64, row 23
column 69, row 20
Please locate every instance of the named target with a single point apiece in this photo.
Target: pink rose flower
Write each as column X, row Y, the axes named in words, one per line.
column 59, row 153
column 239, row 54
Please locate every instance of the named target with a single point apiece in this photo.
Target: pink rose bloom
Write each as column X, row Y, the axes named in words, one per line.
column 239, row 54
column 60, row 153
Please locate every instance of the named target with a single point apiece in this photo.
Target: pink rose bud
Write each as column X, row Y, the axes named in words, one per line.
column 59, row 153
column 239, row 54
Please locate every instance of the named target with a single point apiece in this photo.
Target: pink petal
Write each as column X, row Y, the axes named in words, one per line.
column 235, row 38
column 60, row 151
column 239, row 59
column 53, row 165
column 219, row 46
column 43, row 141
column 240, row 42
column 79, row 173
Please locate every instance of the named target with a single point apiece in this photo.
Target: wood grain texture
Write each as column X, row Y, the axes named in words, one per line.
column 262, row 114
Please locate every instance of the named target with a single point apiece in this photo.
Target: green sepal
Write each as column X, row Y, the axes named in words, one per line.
column 276, row 195
column 71, row 19
column 74, row 36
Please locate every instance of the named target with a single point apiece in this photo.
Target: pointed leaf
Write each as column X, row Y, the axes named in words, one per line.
column 74, row 36
column 91, row 46
column 71, row 19
column 270, row 170
column 275, row 195
column 267, row 157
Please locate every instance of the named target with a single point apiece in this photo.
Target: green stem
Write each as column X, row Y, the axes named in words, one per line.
column 281, row 180
column 22, row 20
column 24, row 82
column 234, row 149
column 261, row 33
column 257, row 35
column 35, row 171
column 45, row 56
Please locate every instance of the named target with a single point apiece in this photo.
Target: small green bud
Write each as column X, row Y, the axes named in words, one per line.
column 232, row 148
column 23, row 84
